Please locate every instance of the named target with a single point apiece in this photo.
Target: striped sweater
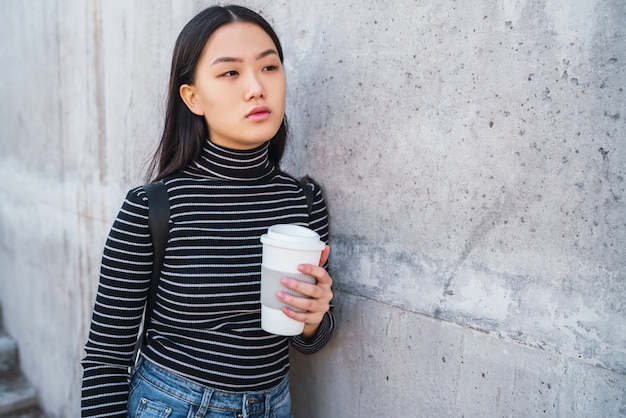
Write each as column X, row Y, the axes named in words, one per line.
column 206, row 321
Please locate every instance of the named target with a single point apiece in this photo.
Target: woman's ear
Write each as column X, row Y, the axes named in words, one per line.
column 189, row 96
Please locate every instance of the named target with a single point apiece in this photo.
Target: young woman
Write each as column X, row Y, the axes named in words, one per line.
column 224, row 136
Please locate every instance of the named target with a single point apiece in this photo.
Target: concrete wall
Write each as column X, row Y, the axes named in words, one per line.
column 473, row 159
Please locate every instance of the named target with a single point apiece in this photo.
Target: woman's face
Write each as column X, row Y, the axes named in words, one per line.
column 239, row 87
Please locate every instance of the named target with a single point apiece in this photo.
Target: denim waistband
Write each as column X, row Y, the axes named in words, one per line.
column 194, row 393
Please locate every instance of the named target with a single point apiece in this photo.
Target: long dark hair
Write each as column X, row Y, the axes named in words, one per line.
column 185, row 132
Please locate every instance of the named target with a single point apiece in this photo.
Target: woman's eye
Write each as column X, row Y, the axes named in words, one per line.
column 231, row 73
column 270, row 68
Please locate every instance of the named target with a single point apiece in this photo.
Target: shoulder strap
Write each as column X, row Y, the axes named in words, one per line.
column 308, row 186
column 158, row 222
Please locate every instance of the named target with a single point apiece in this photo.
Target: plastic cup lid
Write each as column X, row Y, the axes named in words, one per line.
column 293, row 236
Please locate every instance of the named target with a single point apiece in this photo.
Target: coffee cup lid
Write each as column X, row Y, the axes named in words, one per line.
column 293, row 236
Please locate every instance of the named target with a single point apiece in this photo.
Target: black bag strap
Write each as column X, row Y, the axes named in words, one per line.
column 308, row 186
column 158, row 223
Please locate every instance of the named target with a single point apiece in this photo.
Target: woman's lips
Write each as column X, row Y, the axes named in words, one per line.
column 258, row 113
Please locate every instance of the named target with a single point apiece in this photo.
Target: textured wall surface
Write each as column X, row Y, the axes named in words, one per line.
column 473, row 159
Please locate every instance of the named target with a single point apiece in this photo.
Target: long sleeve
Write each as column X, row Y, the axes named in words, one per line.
column 319, row 223
column 124, row 281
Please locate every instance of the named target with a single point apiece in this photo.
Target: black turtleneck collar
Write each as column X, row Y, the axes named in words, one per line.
column 229, row 164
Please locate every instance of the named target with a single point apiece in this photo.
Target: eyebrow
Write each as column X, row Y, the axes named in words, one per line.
column 233, row 59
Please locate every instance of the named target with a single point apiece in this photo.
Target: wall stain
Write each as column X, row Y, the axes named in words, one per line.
column 98, row 55
column 486, row 225
column 605, row 162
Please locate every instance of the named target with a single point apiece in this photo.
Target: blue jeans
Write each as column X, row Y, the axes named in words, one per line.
column 155, row 392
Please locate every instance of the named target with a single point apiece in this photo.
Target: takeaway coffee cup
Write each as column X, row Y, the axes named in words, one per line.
column 284, row 248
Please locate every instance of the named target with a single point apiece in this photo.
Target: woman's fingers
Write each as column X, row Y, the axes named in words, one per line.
column 325, row 254
column 317, row 295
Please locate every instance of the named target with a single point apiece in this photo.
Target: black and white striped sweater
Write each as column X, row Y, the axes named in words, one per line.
column 206, row 322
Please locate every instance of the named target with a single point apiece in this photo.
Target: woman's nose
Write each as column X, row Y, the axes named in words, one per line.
column 254, row 87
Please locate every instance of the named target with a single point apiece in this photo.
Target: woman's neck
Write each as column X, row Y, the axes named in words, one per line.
column 229, row 164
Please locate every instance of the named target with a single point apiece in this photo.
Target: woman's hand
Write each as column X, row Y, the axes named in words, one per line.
column 320, row 295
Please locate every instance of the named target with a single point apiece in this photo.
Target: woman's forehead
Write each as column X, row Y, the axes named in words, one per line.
column 238, row 40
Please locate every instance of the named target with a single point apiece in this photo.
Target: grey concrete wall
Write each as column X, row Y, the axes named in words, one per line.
column 473, row 159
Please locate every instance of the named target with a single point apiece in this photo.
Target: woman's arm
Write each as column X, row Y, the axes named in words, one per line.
column 318, row 315
column 124, row 281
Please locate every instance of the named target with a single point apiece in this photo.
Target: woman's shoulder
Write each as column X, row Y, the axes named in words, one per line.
column 137, row 193
column 303, row 182
column 136, row 199
column 311, row 190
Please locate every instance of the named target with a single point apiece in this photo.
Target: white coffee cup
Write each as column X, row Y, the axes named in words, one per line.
column 285, row 247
